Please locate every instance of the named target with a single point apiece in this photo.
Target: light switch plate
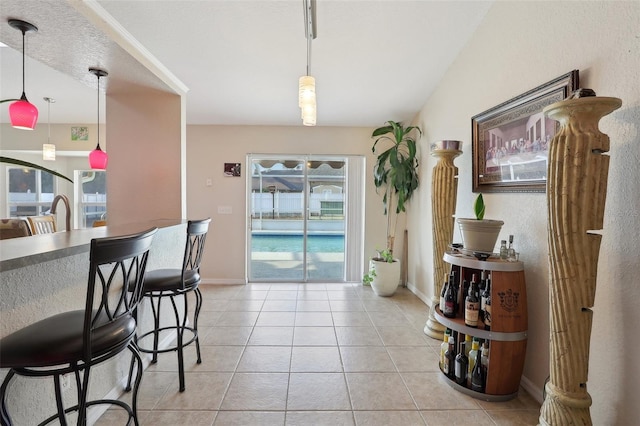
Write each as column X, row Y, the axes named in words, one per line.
column 225, row 210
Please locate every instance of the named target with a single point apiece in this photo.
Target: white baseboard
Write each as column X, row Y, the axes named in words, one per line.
column 223, row 281
column 534, row 391
column 426, row 299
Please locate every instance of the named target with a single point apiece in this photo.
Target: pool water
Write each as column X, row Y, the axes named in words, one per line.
column 293, row 243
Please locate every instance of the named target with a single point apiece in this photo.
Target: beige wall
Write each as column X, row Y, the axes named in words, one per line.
column 70, row 155
column 519, row 46
column 209, row 147
column 146, row 157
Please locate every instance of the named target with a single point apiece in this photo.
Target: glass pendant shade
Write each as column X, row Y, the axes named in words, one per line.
column 23, row 114
column 309, row 114
column 48, row 152
column 98, row 159
column 306, row 90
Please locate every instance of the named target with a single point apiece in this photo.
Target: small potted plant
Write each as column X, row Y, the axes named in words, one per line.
column 479, row 234
column 395, row 173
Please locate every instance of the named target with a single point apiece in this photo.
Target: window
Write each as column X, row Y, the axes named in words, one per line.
column 30, row 191
column 91, row 193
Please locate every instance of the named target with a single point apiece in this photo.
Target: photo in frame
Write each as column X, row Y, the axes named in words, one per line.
column 79, row 133
column 232, row 169
column 510, row 142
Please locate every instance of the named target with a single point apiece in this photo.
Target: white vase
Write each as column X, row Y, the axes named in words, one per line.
column 480, row 235
column 387, row 278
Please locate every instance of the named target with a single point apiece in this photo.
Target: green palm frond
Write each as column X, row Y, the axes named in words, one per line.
column 22, row 163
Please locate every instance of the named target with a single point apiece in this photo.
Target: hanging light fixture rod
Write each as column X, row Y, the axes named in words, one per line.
column 24, row 27
column 310, row 30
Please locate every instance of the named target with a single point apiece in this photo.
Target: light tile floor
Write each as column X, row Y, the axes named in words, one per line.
column 313, row 354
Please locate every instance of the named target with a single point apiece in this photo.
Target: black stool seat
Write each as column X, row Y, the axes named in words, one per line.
column 59, row 340
column 170, row 280
column 75, row 341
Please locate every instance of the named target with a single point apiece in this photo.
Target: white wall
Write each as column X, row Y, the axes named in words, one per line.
column 519, row 46
column 209, row 147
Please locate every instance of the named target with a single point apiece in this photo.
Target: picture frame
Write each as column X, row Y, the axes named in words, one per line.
column 232, row 169
column 79, row 133
column 510, row 141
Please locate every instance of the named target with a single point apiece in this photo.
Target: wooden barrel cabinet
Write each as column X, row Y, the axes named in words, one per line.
column 508, row 334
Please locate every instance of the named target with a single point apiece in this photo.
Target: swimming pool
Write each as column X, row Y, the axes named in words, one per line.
column 293, row 243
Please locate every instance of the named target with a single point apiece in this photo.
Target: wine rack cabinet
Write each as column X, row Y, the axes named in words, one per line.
column 508, row 334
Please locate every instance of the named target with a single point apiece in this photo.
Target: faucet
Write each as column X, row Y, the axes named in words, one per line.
column 65, row 200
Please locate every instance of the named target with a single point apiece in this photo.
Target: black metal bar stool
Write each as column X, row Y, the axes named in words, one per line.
column 75, row 341
column 169, row 283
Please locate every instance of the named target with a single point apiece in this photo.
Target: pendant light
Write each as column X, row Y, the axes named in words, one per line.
column 307, row 83
column 23, row 114
column 98, row 158
column 49, row 149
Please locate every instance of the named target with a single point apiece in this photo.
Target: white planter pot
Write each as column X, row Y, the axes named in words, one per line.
column 480, row 235
column 387, row 278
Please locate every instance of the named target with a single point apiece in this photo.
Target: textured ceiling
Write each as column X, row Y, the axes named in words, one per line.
column 372, row 60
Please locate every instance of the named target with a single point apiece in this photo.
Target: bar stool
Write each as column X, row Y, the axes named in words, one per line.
column 171, row 283
column 75, row 341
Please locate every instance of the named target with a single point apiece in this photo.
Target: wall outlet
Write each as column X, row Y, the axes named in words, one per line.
column 225, row 210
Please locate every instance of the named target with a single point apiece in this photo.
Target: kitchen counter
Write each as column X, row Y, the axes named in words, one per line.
column 26, row 251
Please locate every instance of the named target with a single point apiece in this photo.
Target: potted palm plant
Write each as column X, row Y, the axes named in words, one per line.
column 395, row 174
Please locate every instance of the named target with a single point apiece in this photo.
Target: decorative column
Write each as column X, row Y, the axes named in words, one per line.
column 444, row 189
column 576, row 193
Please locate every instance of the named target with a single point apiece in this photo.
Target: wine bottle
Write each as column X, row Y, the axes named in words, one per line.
column 477, row 375
column 511, row 252
column 481, row 288
column 486, row 306
column 475, row 345
column 450, row 302
column 449, row 359
column 461, row 366
column 467, row 344
column 472, row 305
column 443, row 347
column 443, row 292
column 454, row 284
column 484, row 359
column 504, row 253
column 463, row 295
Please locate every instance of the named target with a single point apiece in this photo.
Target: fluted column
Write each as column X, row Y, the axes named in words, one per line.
column 444, row 189
column 576, row 193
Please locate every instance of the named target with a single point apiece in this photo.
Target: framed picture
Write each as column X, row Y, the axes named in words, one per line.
column 510, row 142
column 232, row 169
column 79, row 133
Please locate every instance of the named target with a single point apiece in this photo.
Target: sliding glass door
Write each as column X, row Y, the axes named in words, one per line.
column 298, row 219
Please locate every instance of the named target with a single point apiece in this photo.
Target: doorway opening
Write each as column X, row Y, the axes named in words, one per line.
column 305, row 218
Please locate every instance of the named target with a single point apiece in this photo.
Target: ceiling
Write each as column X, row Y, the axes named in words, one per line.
column 240, row 60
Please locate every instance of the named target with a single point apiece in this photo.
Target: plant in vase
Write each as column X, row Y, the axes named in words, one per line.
column 479, row 234
column 395, row 173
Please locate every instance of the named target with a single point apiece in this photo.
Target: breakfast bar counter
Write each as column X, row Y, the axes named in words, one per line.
column 43, row 275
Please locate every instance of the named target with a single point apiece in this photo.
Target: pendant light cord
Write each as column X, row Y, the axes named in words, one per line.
column 24, row 96
column 98, row 75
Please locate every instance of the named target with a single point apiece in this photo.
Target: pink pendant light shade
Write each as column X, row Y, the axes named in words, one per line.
column 23, row 114
column 98, row 159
